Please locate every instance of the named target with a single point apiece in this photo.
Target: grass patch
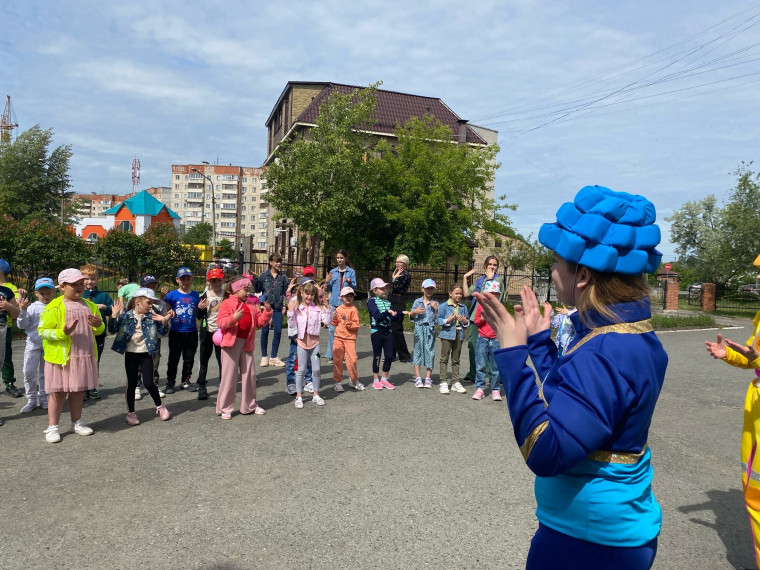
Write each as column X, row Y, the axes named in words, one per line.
column 662, row 322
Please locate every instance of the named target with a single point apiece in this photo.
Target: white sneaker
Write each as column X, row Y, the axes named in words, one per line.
column 161, row 393
column 356, row 385
column 338, row 387
column 81, row 428
column 309, row 387
column 291, row 389
column 299, row 403
column 264, row 361
column 444, row 389
column 138, row 394
column 30, row 406
column 276, row 362
column 459, row 388
column 52, row 435
column 317, row 399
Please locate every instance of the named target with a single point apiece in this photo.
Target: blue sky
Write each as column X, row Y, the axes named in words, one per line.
column 657, row 98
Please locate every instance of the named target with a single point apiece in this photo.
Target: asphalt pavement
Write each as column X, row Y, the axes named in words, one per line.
column 408, row 478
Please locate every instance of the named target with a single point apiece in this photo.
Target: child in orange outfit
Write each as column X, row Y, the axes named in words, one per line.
column 345, row 319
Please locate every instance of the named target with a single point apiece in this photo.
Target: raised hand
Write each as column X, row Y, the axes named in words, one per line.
column 203, row 304
column 164, row 290
column 21, row 292
column 535, row 321
column 117, row 307
column 68, row 328
column 23, row 304
column 238, row 312
column 749, row 352
column 94, row 321
column 510, row 331
column 434, row 305
column 716, row 349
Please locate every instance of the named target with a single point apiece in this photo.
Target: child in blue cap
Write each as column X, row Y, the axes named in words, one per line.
column 582, row 419
column 183, row 335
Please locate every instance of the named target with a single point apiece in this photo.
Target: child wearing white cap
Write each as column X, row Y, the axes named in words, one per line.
column 34, row 363
column 345, row 321
column 423, row 314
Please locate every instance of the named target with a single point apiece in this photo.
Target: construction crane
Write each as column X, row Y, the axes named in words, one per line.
column 6, row 122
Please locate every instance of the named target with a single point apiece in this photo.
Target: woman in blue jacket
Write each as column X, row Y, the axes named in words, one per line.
column 582, row 419
column 341, row 276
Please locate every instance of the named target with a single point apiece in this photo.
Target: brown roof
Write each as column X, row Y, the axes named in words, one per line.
column 394, row 109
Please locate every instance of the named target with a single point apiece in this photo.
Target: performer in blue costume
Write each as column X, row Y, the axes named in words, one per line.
column 581, row 419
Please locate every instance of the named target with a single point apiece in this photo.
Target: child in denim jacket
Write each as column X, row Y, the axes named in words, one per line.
column 423, row 315
column 137, row 334
column 452, row 317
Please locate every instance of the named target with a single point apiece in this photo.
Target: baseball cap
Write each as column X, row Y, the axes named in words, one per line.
column 182, row 271
column 378, row 283
column 347, row 291
column 215, row 273
column 428, row 283
column 5, row 267
column 44, row 282
column 147, row 279
column 309, row 270
column 145, row 292
column 71, row 275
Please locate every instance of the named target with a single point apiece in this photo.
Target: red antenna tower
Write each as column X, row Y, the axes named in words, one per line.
column 6, row 122
column 135, row 174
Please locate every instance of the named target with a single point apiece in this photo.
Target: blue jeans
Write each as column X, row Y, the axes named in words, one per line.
column 277, row 326
column 290, row 364
column 331, row 337
column 484, row 350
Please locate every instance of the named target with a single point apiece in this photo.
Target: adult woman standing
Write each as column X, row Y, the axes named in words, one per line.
column 341, row 276
column 490, row 268
column 272, row 284
column 583, row 427
column 399, row 285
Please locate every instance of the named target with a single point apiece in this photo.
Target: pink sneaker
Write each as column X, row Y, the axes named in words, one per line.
column 132, row 419
column 387, row 384
column 377, row 385
column 496, row 395
column 478, row 395
column 163, row 413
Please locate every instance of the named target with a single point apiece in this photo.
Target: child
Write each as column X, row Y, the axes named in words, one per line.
column 7, row 361
column 183, row 336
column 162, row 309
column 137, row 332
column 380, row 317
column 213, row 296
column 68, row 326
column 565, row 329
column 104, row 302
column 485, row 348
column 34, row 363
column 423, row 315
column 307, row 318
column 238, row 320
column 8, row 307
column 345, row 321
column 452, row 317
column 291, row 364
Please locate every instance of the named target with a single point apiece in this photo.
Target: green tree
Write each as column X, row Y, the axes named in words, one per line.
column 199, row 234
column 165, row 253
column 34, row 181
column 123, row 252
column 225, row 248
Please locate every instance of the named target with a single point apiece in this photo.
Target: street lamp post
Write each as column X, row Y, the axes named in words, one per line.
column 213, row 219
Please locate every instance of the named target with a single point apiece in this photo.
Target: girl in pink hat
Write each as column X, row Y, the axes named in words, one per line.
column 68, row 327
column 238, row 321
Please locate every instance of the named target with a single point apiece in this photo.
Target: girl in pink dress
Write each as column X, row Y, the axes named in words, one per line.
column 68, row 327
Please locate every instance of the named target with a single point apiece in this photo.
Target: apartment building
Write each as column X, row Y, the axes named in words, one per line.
column 233, row 198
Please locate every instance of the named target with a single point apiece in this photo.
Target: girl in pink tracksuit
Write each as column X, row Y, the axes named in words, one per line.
column 238, row 321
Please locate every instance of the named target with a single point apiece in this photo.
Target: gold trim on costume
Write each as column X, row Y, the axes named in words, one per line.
column 530, row 441
column 623, row 457
column 638, row 327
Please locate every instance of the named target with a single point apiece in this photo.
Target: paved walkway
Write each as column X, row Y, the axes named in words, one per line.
column 403, row 479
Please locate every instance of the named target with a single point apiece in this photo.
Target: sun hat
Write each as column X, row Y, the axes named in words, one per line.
column 428, row 283
column 604, row 230
column 347, row 291
column 309, row 270
column 240, row 284
column 215, row 273
column 146, row 279
column 491, row 286
column 5, row 267
column 182, row 271
column 43, row 282
column 378, row 283
column 71, row 275
column 145, row 292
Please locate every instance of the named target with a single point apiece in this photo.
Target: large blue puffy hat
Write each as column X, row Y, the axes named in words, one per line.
column 611, row 232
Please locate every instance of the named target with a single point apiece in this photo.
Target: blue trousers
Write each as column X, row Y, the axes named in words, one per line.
column 484, row 350
column 275, row 325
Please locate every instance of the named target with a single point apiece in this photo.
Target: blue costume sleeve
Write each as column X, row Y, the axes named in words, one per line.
column 588, row 396
column 543, row 352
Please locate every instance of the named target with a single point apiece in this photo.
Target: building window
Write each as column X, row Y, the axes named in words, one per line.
column 262, row 245
column 126, row 227
column 242, row 227
column 263, row 216
column 262, row 225
column 242, row 218
column 176, row 177
column 93, row 237
column 176, row 205
column 176, row 186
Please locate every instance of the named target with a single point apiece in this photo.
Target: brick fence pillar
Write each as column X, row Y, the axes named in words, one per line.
column 708, row 297
column 671, row 294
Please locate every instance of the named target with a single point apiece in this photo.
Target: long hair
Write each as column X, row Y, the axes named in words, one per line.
column 309, row 288
column 606, row 289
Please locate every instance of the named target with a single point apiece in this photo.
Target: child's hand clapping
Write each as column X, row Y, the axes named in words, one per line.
column 434, row 305
column 23, row 304
column 94, row 321
column 68, row 328
column 117, row 307
column 203, row 304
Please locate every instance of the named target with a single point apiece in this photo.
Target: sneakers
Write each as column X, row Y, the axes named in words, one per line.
column 44, row 404
column 52, row 435
column 457, row 386
column 81, row 428
column 226, row 416
column 428, row 382
column 338, row 387
column 291, row 389
column 387, row 385
column 276, row 362
column 317, row 399
column 169, row 389
column 496, row 395
column 138, row 394
column 264, row 362
column 377, row 385
column 161, row 393
column 163, row 413
column 30, row 406
column 95, row 395
column 132, row 419
column 358, row 386
column 418, row 382
column 202, row 392
column 299, row 403
column 444, row 389
column 85, row 395
column 12, row 391
column 329, row 361
column 184, row 385
column 309, row 387
column 478, row 395
column 193, row 387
